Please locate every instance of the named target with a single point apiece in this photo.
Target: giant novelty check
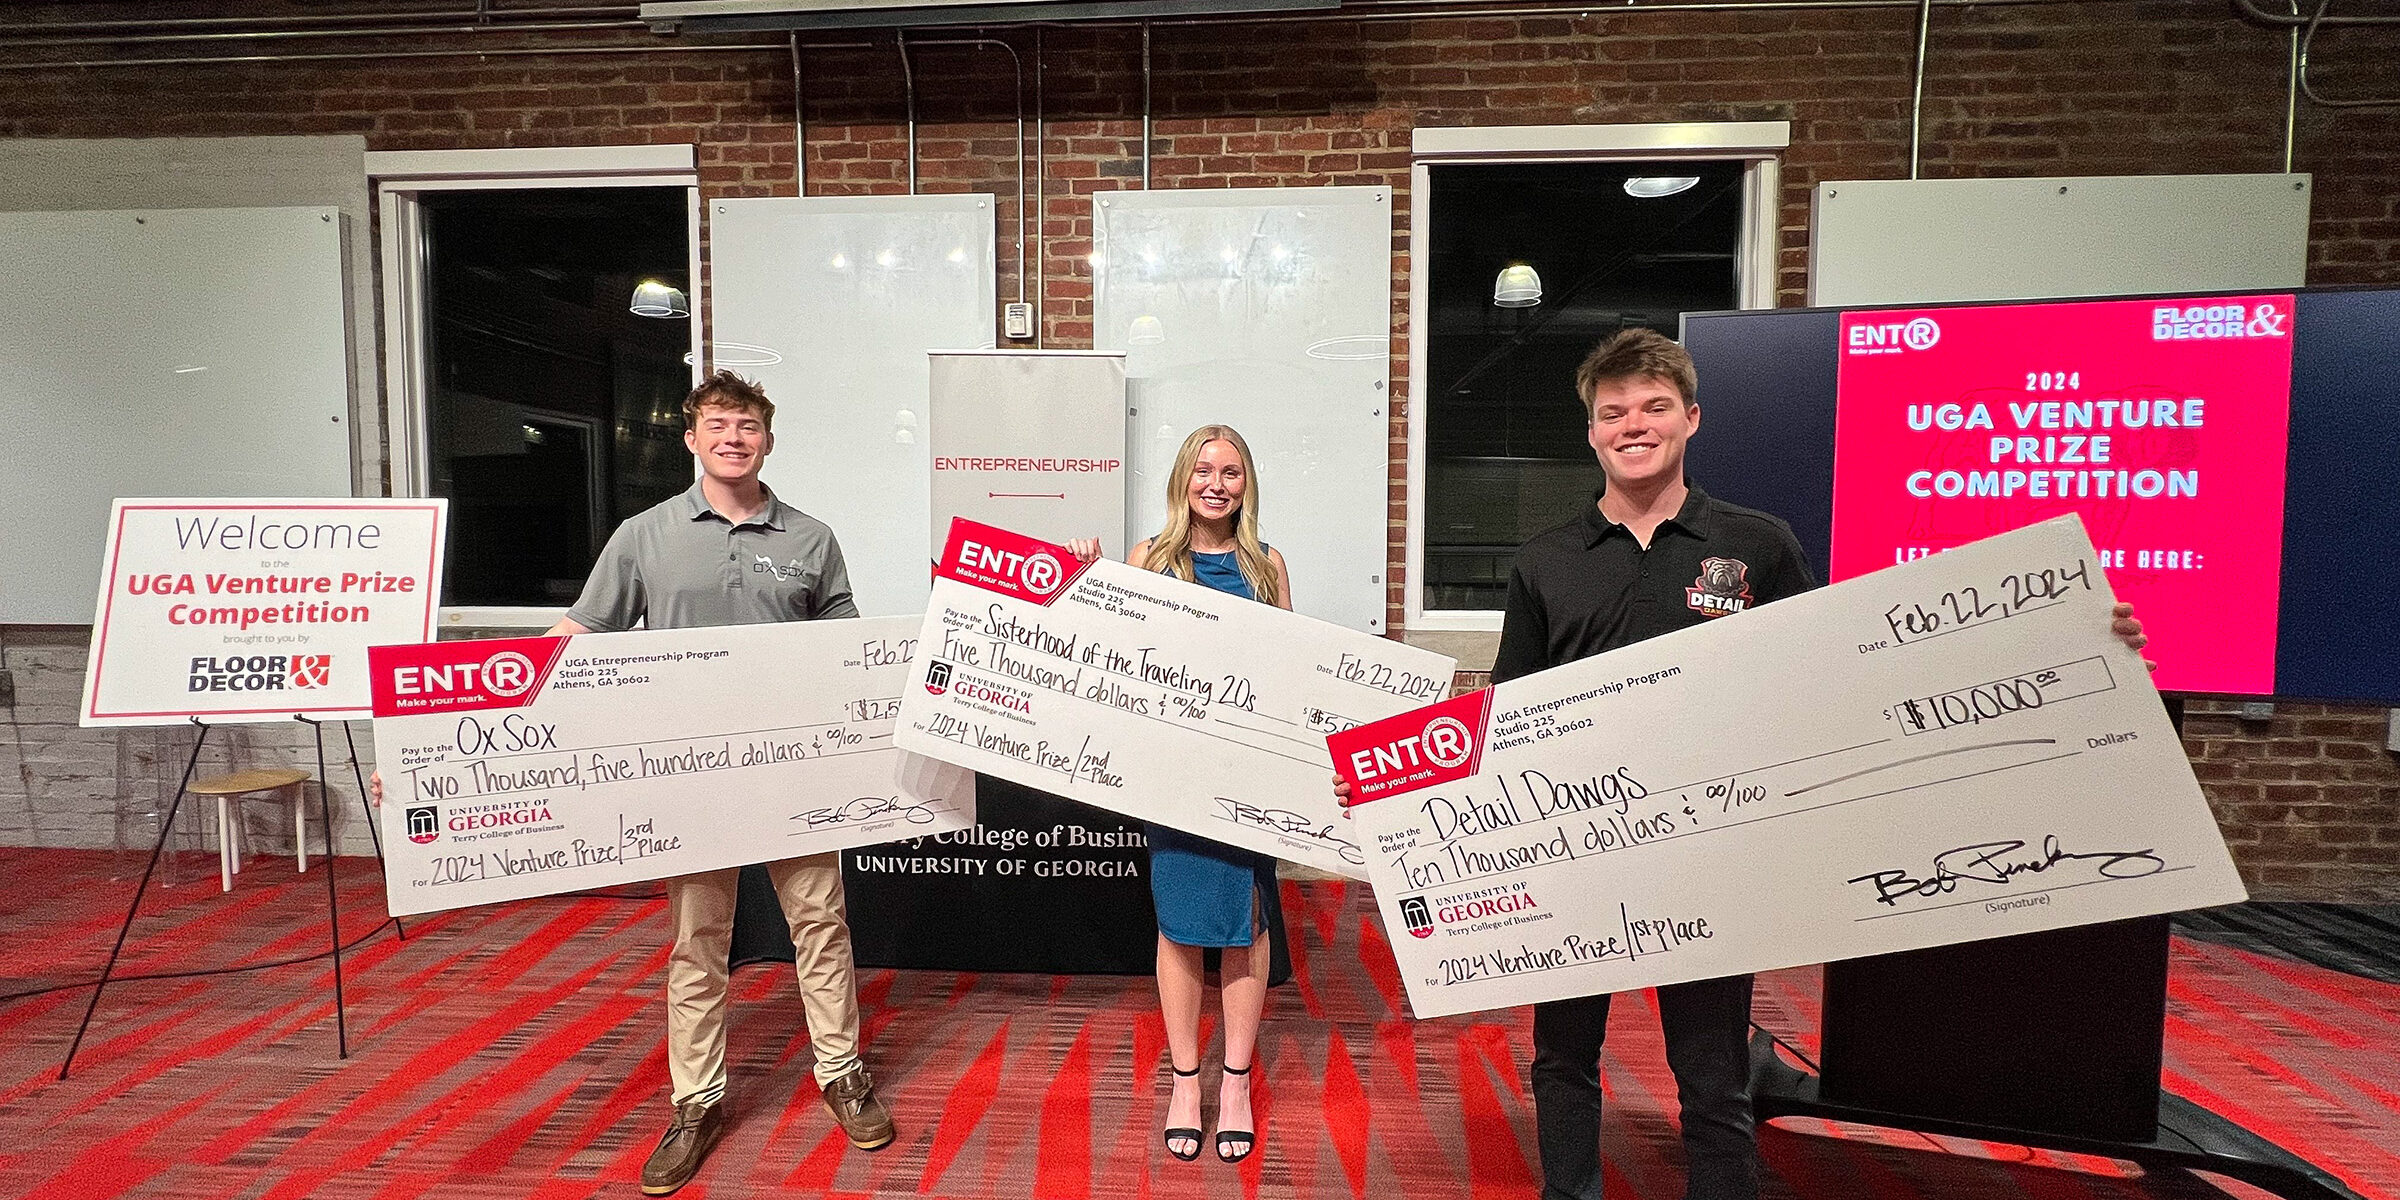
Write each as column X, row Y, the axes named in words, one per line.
column 1952, row 749
column 531, row 766
column 1149, row 696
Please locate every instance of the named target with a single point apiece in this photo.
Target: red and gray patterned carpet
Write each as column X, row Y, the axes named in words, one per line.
column 516, row 1052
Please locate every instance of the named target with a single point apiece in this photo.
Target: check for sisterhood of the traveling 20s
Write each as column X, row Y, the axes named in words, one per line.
column 1143, row 694
column 532, row 766
column 1947, row 750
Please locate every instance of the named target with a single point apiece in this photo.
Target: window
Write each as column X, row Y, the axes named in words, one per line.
column 524, row 387
column 1526, row 259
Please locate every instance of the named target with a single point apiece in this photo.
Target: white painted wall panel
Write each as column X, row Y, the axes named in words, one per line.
column 1270, row 310
column 168, row 352
column 832, row 303
column 1913, row 241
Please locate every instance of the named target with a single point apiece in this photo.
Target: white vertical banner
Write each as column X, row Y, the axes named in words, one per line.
column 1032, row 441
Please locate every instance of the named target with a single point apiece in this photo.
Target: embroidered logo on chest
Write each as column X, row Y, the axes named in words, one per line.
column 783, row 574
column 1722, row 589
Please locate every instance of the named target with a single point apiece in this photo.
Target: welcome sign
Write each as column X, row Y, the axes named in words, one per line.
column 256, row 610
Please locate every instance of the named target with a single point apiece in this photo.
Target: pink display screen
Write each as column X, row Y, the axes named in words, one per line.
column 2162, row 422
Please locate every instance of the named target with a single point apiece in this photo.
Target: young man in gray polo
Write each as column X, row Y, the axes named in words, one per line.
column 728, row 552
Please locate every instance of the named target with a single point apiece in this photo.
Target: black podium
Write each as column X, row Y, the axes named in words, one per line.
column 2046, row 1039
column 1040, row 884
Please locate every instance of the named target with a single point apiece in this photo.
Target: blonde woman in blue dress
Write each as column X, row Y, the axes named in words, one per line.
column 1209, row 894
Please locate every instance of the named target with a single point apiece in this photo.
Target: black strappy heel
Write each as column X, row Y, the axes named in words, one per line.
column 1227, row 1138
column 1168, row 1136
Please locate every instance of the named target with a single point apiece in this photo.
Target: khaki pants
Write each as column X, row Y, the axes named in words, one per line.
column 701, row 909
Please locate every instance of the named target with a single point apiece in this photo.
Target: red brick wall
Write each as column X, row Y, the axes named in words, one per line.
column 2309, row 799
column 2312, row 802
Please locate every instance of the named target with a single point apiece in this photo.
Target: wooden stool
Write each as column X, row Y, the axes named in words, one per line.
column 242, row 785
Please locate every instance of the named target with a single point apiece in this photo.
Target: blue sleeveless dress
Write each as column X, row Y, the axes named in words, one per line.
column 1204, row 889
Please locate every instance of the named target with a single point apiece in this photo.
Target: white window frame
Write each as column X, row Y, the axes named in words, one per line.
column 1757, row 144
column 400, row 178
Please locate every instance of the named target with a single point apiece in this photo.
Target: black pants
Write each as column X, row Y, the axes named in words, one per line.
column 1707, row 1026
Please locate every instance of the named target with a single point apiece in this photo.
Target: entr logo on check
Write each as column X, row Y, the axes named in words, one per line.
column 506, row 673
column 1433, row 745
column 1445, row 742
column 1039, row 572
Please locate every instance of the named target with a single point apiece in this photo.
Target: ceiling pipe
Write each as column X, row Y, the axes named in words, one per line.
column 1410, row 10
column 2251, row 10
column 2291, row 97
column 481, row 12
column 1359, row 10
column 800, row 128
column 1042, row 195
column 265, row 35
column 2308, row 38
column 382, row 55
column 1916, row 103
column 908, row 87
column 1019, row 63
column 2304, row 33
column 1145, row 106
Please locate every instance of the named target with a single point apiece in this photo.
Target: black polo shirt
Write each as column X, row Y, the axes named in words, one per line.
column 1588, row 586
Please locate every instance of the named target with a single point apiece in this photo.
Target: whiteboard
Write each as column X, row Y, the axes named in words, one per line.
column 170, row 352
column 1913, row 241
column 1270, row 310
column 831, row 304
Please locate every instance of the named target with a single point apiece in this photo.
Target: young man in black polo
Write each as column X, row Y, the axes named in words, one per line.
column 1652, row 555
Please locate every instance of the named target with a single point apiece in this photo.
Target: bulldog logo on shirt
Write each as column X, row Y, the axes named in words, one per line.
column 1722, row 589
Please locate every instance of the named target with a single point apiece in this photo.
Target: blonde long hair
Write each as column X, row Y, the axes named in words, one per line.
column 1171, row 550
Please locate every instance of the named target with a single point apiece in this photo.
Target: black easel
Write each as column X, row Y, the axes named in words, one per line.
column 2061, row 1050
column 333, row 906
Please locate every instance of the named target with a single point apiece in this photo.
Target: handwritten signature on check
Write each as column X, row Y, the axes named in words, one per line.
column 867, row 808
column 2002, row 862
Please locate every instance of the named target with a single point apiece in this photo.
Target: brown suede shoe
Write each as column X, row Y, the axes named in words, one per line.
column 858, row 1112
column 687, row 1141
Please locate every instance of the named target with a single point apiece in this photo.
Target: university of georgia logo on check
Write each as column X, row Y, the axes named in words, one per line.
column 424, row 823
column 1416, row 749
column 1722, row 589
column 1008, row 563
column 937, row 677
column 1418, row 917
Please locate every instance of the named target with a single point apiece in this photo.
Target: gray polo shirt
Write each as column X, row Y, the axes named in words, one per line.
column 679, row 564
